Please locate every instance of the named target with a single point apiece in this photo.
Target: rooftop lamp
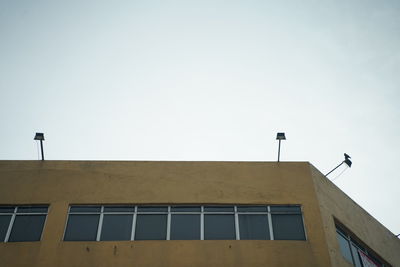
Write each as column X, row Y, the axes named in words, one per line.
column 40, row 137
column 280, row 136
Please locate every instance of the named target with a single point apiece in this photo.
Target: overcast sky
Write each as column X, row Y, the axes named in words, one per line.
column 208, row 80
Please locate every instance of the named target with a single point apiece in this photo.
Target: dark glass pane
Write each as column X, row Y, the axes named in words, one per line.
column 252, row 209
column 85, row 209
column 186, row 208
column 116, row 227
column 4, row 223
column 355, row 243
column 153, row 209
column 288, row 227
column 119, row 209
column 356, row 257
column 32, row 209
column 27, row 228
column 151, row 227
column 285, row 209
column 377, row 262
column 218, row 208
column 219, row 227
column 344, row 247
column 340, row 231
column 82, row 227
column 7, row 209
column 185, row 227
column 254, row 227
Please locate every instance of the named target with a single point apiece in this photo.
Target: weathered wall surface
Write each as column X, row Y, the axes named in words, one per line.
column 61, row 183
column 336, row 204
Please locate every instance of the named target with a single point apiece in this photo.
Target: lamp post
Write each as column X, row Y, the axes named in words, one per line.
column 280, row 136
column 40, row 137
column 346, row 160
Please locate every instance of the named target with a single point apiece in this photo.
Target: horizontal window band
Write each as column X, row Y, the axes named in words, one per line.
column 24, row 209
column 184, row 222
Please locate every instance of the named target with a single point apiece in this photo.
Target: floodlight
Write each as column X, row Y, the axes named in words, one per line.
column 280, row 136
column 346, row 160
column 39, row 136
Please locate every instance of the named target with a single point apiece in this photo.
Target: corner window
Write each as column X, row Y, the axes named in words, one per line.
column 353, row 252
column 22, row 223
column 345, row 247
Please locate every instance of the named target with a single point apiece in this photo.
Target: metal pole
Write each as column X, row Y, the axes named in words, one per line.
column 279, row 150
column 41, row 148
column 334, row 168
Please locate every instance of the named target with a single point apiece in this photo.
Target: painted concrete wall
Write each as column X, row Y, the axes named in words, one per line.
column 61, row 183
column 336, row 204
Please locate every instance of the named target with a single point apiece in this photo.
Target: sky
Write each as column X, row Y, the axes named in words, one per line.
column 209, row 81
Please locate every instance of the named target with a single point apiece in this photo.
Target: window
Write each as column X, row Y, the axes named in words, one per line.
column 116, row 227
column 22, row 223
column 355, row 253
column 254, row 227
column 287, row 223
column 151, row 227
column 345, row 247
column 253, row 222
column 219, row 226
column 219, row 222
column 83, row 222
column 184, row 222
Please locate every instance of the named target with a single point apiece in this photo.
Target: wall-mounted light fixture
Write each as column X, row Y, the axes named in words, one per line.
column 346, row 160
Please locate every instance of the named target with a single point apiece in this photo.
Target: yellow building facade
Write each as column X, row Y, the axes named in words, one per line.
column 61, row 195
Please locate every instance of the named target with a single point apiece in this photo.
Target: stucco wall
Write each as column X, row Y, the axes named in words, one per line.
column 336, row 204
column 61, row 183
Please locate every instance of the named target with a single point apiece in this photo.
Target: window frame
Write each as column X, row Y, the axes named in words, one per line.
column 15, row 213
column 202, row 213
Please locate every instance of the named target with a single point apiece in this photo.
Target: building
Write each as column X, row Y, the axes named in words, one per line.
column 151, row 213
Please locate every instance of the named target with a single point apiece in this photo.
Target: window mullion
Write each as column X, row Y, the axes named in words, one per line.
column 304, row 225
column 271, row 231
column 134, row 224
column 237, row 224
column 202, row 223
column 169, row 223
column 100, row 224
column 10, row 225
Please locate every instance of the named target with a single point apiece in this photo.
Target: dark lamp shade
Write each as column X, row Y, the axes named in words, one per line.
column 280, row 136
column 348, row 162
column 39, row 136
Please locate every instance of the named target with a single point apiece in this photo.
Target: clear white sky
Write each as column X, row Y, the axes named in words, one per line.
column 208, row 80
